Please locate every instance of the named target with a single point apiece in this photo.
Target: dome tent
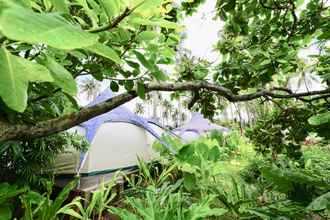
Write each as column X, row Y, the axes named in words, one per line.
column 116, row 139
column 196, row 127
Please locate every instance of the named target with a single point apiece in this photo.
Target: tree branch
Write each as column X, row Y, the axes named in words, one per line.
column 44, row 128
column 113, row 24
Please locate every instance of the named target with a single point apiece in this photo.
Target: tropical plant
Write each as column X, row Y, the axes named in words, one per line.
column 27, row 161
column 7, row 199
column 41, row 206
column 99, row 202
column 127, row 41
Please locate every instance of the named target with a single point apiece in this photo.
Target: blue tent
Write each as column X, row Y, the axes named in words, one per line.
column 198, row 126
column 119, row 114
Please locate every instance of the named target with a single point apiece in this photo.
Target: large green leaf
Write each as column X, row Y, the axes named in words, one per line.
column 320, row 203
column 60, row 5
column 156, row 22
column 15, row 75
column 62, row 77
column 27, row 26
column 141, row 91
column 63, row 195
column 5, row 212
column 105, row 51
column 112, row 7
column 320, row 119
column 147, row 36
column 154, row 70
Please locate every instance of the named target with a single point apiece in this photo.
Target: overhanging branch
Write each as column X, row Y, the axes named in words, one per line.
column 44, row 128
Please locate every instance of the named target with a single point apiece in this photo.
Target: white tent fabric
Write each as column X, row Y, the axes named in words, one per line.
column 116, row 139
column 196, row 127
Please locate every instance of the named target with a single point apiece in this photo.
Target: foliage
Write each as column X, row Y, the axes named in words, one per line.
column 70, row 38
column 284, row 130
column 261, row 39
column 47, row 44
column 99, row 203
column 166, row 203
column 26, row 161
column 7, row 196
column 32, row 204
column 38, row 206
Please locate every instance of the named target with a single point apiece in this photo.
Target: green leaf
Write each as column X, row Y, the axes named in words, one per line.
column 70, row 212
column 5, row 212
column 159, row 22
column 230, row 5
column 147, row 36
column 154, row 70
column 320, row 203
column 112, row 7
column 105, row 51
column 62, row 77
column 320, row 119
column 200, row 73
column 265, row 62
column 129, row 84
column 114, row 86
column 27, row 26
column 16, row 73
column 144, row 61
column 159, row 75
column 63, row 196
column 141, row 90
column 60, row 5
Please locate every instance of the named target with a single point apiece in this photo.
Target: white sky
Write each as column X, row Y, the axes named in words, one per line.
column 202, row 32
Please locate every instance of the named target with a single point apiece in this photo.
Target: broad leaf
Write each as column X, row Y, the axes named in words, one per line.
column 114, row 86
column 154, row 70
column 158, row 22
column 129, row 84
column 144, row 61
column 147, row 36
column 27, row 26
column 16, row 73
column 105, row 51
column 63, row 195
column 60, row 5
column 320, row 203
column 112, row 7
column 5, row 212
column 320, row 119
column 141, row 90
column 62, row 77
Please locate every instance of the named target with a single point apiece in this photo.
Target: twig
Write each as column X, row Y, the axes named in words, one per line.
column 113, row 24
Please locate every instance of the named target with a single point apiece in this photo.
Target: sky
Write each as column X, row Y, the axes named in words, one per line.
column 202, row 32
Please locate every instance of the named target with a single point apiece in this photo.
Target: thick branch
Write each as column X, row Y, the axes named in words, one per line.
column 25, row 131
column 52, row 126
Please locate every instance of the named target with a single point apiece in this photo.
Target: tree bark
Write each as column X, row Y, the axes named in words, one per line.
column 52, row 126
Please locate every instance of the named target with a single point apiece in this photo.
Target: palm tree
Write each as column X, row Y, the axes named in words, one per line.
column 175, row 117
column 183, row 117
column 139, row 108
column 167, row 109
column 165, row 116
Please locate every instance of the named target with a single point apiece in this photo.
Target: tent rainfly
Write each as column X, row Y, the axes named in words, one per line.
column 116, row 139
column 196, row 127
